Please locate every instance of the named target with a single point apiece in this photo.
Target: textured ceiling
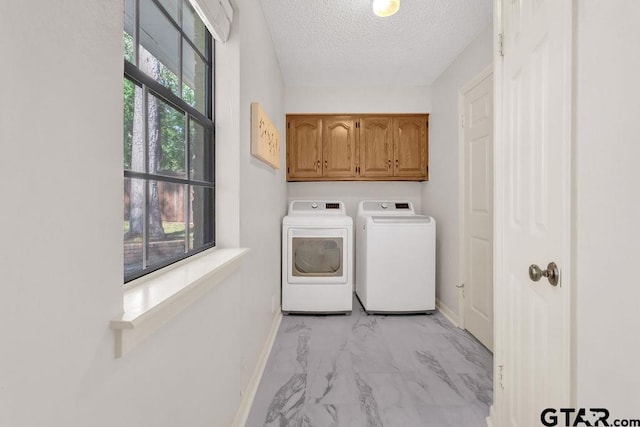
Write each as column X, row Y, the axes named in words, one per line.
column 342, row 43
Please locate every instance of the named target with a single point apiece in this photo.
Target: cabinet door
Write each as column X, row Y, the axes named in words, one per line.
column 304, row 147
column 376, row 147
column 339, row 147
column 410, row 146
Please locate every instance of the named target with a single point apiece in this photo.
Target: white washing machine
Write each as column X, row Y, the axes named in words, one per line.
column 317, row 258
column 395, row 258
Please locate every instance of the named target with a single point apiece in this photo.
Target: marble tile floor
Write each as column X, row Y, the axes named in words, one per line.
column 373, row 370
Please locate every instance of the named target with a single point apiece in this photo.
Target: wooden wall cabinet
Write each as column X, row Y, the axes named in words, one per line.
column 339, row 147
column 304, row 147
column 376, row 147
column 410, row 150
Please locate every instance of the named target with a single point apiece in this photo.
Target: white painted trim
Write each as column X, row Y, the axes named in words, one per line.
column 491, row 416
column 486, row 72
column 447, row 312
column 250, row 391
column 158, row 298
column 569, row 380
column 496, row 410
column 461, row 180
column 463, row 252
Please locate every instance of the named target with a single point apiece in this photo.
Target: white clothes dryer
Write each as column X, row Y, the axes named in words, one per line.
column 317, row 258
column 395, row 258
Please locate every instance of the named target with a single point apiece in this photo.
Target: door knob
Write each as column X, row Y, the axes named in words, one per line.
column 551, row 273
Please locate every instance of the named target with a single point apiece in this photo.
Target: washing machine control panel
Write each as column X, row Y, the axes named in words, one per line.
column 401, row 207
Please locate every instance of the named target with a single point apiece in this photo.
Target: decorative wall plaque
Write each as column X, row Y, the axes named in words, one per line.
column 265, row 139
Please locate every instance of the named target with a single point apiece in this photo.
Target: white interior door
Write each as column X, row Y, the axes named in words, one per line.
column 533, row 209
column 476, row 104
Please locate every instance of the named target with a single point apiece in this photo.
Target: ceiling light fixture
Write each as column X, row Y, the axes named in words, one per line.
column 384, row 8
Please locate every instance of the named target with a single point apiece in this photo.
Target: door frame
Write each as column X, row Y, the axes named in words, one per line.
column 495, row 418
column 486, row 72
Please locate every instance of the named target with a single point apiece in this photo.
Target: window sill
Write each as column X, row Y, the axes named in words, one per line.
column 154, row 300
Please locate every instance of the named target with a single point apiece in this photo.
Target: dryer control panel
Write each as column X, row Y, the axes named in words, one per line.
column 316, row 207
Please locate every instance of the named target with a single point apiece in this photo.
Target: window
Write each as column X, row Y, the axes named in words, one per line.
column 168, row 135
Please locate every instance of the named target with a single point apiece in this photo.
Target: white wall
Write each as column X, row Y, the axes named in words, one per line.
column 440, row 193
column 329, row 100
column 263, row 190
column 608, row 206
column 61, row 246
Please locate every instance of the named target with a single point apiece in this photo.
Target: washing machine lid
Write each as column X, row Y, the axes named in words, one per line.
column 386, row 207
column 400, row 220
column 317, row 207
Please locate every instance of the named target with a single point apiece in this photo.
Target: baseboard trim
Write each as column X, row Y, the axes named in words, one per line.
column 250, row 392
column 448, row 313
column 491, row 416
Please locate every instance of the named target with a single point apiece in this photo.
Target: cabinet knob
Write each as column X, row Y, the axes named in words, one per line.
column 325, row 164
column 318, row 165
column 396, row 163
column 389, row 163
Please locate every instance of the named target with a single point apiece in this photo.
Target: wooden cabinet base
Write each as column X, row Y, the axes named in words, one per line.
column 359, row 178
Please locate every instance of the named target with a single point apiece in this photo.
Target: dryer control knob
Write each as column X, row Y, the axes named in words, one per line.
column 314, row 205
column 384, row 206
